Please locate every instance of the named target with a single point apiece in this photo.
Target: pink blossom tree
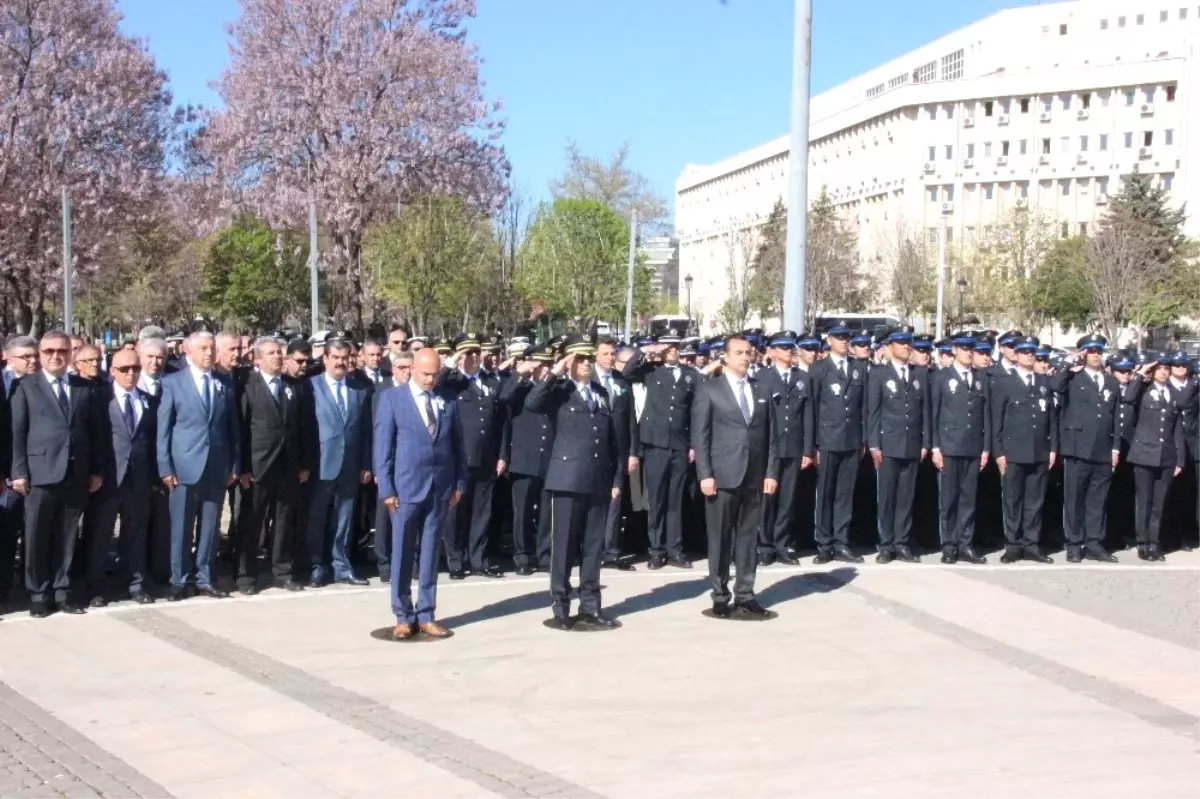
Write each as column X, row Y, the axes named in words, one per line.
column 361, row 105
column 82, row 106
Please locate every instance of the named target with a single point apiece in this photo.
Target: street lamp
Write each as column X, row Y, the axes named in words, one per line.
column 687, row 282
column 962, row 290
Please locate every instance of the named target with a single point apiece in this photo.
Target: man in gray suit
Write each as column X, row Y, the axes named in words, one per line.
column 199, row 456
column 21, row 360
column 343, row 424
column 57, row 458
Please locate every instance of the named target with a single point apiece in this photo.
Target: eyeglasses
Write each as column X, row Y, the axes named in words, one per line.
column 30, row 357
column 87, row 360
column 127, row 369
column 62, row 352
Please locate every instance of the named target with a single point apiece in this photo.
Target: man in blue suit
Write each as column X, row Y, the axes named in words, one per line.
column 343, row 425
column 422, row 471
column 199, row 456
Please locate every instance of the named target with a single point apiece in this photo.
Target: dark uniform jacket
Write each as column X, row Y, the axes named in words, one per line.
column 959, row 423
column 791, row 396
column 739, row 456
column 1089, row 425
column 667, row 414
column 1158, row 439
column 897, row 411
column 1024, row 422
column 1127, row 414
column 1191, row 418
column 624, row 414
column 839, row 404
column 531, row 434
column 583, row 459
column 484, row 418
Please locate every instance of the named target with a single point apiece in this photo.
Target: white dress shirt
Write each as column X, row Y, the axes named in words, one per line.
column 901, row 371
column 150, row 385
column 198, row 379
column 419, row 397
column 739, row 385
column 133, row 396
column 59, row 385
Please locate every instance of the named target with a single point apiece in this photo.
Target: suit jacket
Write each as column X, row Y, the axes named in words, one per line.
column 277, row 437
column 624, row 417
column 133, row 455
column 738, row 455
column 794, row 433
column 48, row 447
column 583, row 459
column 1024, row 420
column 959, row 423
column 667, row 415
column 409, row 464
column 483, row 417
column 1158, row 438
column 1089, row 424
column 897, row 411
column 532, row 435
column 343, row 445
column 189, row 439
column 840, row 406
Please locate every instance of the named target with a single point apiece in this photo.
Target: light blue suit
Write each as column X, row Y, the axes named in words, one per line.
column 421, row 471
column 201, row 448
column 344, row 453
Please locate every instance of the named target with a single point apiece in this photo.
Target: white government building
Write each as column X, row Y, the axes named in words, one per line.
column 1045, row 106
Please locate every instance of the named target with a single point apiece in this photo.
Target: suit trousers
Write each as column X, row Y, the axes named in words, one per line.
column 577, row 522
column 330, row 518
column 1024, row 493
column 1085, row 496
column 12, row 521
column 612, row 528
column 130, row 503
column 51, row 534
column 275, row 499
column 196, row 508
column 1120, row 513
column 1150, row 496
column 666, row 473
column 416, row 540
column 779, row 511
column 896, row 482
column 958, row 484
column 383, row 536
column 158, row 534
column 467, row 538
column 531, row 521
column 836, row 475
column 733, row 519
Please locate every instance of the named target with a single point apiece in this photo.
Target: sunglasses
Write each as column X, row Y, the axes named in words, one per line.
column 55, row 352
column 127, row 369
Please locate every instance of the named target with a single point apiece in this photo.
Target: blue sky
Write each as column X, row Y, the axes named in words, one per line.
column 680, row 80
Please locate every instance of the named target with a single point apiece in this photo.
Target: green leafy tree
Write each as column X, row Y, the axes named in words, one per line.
column 1058, row 289
column 610, row 181
column 255, row 275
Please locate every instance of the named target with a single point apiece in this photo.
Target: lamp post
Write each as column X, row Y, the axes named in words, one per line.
column 962, row 290
column 687, row 283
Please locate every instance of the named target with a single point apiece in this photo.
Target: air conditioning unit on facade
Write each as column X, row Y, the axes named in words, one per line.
column 967, row 162
column 1002, row 119
column 1045, row 116
column 1044, row 159
column 1022, row 202
column 1081, row 158
column 1002, row 160
column 1144, row 152
column 1101, row 199
column 930, row 167
column 968, row 122
column 947, row 208
column 1147, row 109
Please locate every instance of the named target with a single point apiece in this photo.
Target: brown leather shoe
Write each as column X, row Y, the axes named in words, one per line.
column 402, row 632
column 434, row 630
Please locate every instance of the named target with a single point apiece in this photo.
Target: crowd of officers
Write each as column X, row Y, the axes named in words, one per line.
column 884, row 438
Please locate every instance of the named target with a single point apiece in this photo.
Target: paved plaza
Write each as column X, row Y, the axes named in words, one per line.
column 901, row 680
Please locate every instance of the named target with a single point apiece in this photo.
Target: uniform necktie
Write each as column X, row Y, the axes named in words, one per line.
column 743, row 401
column 904, row 375
column 842, row 369
column 128, row 413
column 588, row 398
column 63, row 401
column 1031, row 381
column 204, row 398
column 966, row 376
column 1099, row 382
column 339, row 399
column 674, row 372
column 430, row 419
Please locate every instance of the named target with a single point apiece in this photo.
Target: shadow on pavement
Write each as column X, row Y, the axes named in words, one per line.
column 659, row 596
column 535, row 600
column 800, row 585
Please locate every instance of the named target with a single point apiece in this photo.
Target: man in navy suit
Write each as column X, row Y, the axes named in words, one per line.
column 343, row 426
column 199, row 456
column 422, row 471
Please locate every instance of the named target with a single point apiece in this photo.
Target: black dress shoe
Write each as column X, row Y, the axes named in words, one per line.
column 385, row 575
column 766, row 558
column 751, row 608
column 524, row 571
column 177, row 594
column 211, row 593
column 72, row 608
column 39, row 610
column 492, row 571
column 142, row 598
column 563, row 622
column 884, row 557
column 316, row 583
column 721, row 610
column 1073, row 556
column 458, row 574
column 654, row 564
column 1143, row 552
column 680, row 562
column 597, row 620
column 97, row 602
column 842, row 552
column 970, row 555
column 619, row 565
column 950, row 555
column 1038, row 556
column 1010, row 557
column 249, row 590
column 1099, row 554
column 905, row 554
column 822, row 558
column 352, row 579
column 289, row 585
column 788, row 559
column 1154, row 552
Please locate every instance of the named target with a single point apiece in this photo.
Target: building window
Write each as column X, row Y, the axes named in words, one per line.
column 1147, row 138
column 933, row 194
column 949, row 235
column 1169, row 137
column 1023, row 190
column 932, row 153
column 931, row 112
column 1103, row 24
column 988, row 106
column 1141, row 18
column 1047, row 104
column 1167, row 180
column 987, row 149
column 875, row 91
column 948, row 110
column 1170, row 90
column 1120, row 22
column 1083, row 144
column 1045, row 147
column 1083, row 228
column 932, row 235
column 1064, row 188
column 1084, row 185
column 1130, row 96
column 948, row 193
column 925, row 73
column 1005, row 106
column 1104, row 98
column 1003, row 148
column 1066, row 101
column 1128, row 139
column 1062, row 30
column 1065, row 229
column 952, row 66
column 1023, row 147
column 1024, row 105
column 989, row 190
column 1102, row 185
column 1085, row 100
column 949, row 152
column 970, row 149
column 1103, row 142
column 1162, row 15
column 1183, row 13
column 1149, row 94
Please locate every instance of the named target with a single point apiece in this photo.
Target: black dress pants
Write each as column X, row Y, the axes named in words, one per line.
column 1085, row 497
column 1024, row 490
column 836, row 476
column 958, row 483
column 733, row 520
column 51, row 535
column 896, row 480
column 666, row 473
column 578, row 534
column 277, row 499
column 1150, row 496
column 777, row 533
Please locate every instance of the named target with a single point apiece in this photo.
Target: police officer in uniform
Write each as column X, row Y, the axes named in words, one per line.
column 620, row 394
column 532, row 437
column 665, row 435
column 960, row 432
column 898, row 440
column 789, row 390
column 1119, row 514
column 1025, row 445
column 1089, row 430
column 838, row 388
column 585, row 477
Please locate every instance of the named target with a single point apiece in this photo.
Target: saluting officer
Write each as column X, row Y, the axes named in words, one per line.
column 486, row 441
column 532, row 437
column 898, row 439
column 789, row 391
column 605, row 374
column 960, row 431
column 585, row 476
column 1025, row 445
column 664, row 432
column 838, row 388
column 1089, row 428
